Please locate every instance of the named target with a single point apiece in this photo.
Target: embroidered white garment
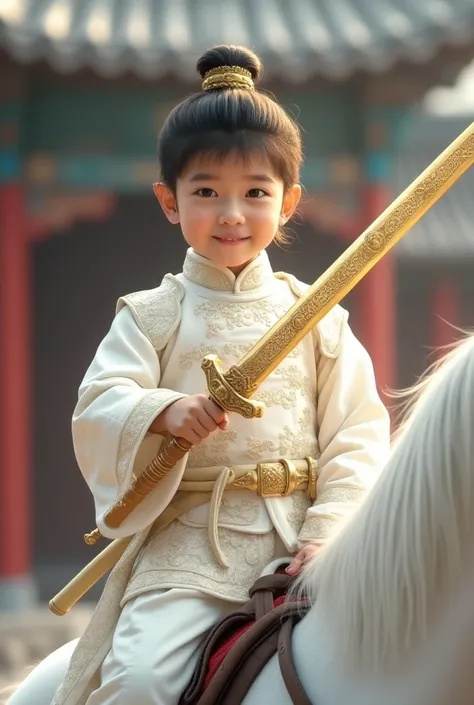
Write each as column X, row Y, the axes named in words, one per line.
column 321, row 400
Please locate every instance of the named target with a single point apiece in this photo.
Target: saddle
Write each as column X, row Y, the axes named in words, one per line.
column 239, row 646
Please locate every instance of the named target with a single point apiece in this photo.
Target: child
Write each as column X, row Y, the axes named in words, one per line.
column 230, row 158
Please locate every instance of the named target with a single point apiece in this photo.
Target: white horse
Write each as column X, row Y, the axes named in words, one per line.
column 393, row 615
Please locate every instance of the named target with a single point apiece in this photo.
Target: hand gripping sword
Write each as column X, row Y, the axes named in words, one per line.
column 232, row 390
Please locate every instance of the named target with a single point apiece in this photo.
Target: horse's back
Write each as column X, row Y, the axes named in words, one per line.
column 42, row 682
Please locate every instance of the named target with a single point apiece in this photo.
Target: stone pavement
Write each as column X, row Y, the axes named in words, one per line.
column 27, row 637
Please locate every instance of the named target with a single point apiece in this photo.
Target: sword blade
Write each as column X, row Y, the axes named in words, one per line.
column 354, row 263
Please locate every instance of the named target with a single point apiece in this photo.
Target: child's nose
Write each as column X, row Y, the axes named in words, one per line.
column 231, row 215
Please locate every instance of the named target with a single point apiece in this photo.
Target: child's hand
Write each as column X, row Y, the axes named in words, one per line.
column 302, row 558
column 192, row 418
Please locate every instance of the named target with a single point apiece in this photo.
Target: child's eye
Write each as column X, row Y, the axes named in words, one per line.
column 256, row 193
column 206, row 192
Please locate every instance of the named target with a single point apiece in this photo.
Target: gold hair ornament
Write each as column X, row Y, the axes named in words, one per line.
column 228, row 77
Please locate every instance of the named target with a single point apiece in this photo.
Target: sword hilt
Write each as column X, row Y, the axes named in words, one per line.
column 224, row 394
column 229, row 390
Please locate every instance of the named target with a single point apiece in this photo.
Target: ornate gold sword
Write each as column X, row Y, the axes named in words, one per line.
column 242, row 380
column 231, row 390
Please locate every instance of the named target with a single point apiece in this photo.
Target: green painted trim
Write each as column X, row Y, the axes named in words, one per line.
column 131, row 174
column 10, row 165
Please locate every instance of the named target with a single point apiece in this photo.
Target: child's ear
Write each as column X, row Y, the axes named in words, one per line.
column 167, row 201
column 291, row 199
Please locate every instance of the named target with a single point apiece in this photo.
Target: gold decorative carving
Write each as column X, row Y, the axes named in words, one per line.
column 271, row 481
column 93, row 537
column 224, row 390
column 248, row 481
column 311, row 490
column 276, row 479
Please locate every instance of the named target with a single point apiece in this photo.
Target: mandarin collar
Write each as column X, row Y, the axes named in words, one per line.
column 203, row 272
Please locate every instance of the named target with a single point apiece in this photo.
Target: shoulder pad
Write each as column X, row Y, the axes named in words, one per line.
column 330, row 328
column 157, row 312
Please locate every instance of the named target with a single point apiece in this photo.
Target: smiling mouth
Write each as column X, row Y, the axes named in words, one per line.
column 223, row 238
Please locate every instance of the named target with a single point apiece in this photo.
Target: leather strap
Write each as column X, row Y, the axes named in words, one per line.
column 225, row 628
column 264, row 589
column 287, row 666
column 244, row 661
column 270, row 634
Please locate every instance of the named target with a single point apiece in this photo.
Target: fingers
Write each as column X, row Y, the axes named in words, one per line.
column 220, row 416
column 295, row 565
column 202, row 430
column 214, row 411
column 195, row 418
column 192, row 418
column 205, row 421
column 224, row 424
column 302, row 558
column 189, row 435
column 212, row 416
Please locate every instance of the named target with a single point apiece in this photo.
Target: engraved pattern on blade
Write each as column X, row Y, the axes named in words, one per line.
column 239, row 382
column 224, row 394
column 373, row 244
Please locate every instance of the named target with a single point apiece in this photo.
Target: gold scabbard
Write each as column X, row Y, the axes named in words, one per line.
column 61, row 603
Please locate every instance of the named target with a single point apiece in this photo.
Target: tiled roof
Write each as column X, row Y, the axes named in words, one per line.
column 447, row 230
column 297, row 39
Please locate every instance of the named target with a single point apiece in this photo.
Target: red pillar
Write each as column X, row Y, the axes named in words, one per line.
column 15, row 431
column 444, row 315
column 376, row 302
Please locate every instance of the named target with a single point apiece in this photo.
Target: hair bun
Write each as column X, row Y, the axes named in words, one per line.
column 228, row 55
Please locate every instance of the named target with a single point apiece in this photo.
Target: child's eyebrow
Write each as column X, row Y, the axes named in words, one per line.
column 201, row 176
column 260, row 177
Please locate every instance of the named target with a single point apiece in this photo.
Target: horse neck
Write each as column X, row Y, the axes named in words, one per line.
column 395, row 566
column 438, row 671
column 387, row 582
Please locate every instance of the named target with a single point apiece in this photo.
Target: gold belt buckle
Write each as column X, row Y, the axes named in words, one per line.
column 278, row 479
column 281, row 478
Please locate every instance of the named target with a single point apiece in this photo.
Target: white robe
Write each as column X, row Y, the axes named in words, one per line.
column 321, row 401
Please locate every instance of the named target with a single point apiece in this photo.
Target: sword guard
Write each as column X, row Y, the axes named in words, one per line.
column 224, row 393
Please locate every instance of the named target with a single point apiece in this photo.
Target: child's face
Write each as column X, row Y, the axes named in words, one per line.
column 230, row 209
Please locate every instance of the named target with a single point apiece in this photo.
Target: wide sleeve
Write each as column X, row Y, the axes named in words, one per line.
column 354, row 437
column 118, row 400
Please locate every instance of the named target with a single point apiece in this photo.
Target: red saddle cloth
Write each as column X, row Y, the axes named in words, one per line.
column 242, row 642
column 221, row 651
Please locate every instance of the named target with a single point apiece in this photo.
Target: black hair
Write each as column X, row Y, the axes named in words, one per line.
column 229, row 119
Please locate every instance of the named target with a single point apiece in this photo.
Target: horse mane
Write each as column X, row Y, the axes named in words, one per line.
column 383, row 575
